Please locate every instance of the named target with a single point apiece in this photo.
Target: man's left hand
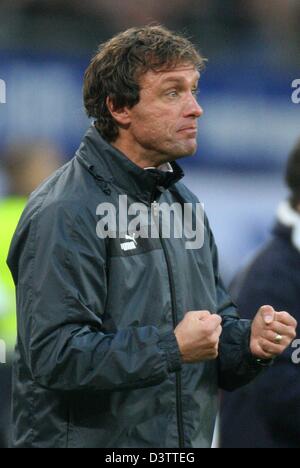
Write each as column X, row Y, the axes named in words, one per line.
column 272, row 332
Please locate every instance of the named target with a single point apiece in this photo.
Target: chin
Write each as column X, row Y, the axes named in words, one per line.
column 188, row 150
column 180, row 151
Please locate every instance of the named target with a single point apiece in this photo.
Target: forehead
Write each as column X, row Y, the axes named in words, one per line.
column 187, row 74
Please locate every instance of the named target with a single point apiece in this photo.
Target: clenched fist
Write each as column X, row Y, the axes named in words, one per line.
column 198, row 336
column 272, row 332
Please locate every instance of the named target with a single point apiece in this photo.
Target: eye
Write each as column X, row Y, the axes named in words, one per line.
column 195, row 92
column 172, row 93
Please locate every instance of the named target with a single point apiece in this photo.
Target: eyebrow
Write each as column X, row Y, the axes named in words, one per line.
column 176, row 80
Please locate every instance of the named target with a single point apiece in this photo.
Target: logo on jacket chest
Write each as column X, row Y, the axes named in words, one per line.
column 130, row 244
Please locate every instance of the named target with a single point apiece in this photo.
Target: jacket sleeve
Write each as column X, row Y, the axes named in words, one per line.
column 59, row 266
column 236, row 365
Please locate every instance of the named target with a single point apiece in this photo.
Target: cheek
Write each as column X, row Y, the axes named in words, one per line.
column 156, row 125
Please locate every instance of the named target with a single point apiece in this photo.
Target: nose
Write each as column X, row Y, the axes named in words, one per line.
column 193, row 108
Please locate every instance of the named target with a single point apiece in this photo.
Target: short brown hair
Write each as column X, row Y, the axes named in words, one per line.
column 119, row 63
column 293, row 175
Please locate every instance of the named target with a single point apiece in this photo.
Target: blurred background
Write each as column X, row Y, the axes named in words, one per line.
column 249, row 126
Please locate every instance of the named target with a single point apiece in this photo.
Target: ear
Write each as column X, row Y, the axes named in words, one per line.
column 120, row 114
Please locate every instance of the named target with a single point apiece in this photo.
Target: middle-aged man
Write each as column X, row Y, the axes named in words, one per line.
column 124, row 339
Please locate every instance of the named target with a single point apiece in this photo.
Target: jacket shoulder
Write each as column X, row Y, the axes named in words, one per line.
column 53, row 206
column 50, row 197
column 69, row 191
column 185, row 193
column 187, row 196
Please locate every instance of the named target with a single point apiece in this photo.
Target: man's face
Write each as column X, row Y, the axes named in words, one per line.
column 163, row 125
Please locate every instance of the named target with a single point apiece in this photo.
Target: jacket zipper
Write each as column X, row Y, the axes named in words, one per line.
column 175, row 322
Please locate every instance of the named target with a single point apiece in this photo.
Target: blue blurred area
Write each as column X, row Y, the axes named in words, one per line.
column 250, row 121
column 43, row 99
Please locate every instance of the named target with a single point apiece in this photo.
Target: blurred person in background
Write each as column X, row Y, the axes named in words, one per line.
column 266, row 413
column 25, row 167
column 119, row 337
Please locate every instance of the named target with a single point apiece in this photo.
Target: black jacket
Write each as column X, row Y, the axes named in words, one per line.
column 97, row 362
column 266, row 413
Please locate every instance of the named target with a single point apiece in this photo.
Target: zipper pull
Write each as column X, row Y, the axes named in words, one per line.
column 155, row 206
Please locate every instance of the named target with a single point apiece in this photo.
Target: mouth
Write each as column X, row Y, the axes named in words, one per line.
column 192, row 131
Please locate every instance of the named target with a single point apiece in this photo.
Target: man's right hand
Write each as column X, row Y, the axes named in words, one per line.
column 198, row 336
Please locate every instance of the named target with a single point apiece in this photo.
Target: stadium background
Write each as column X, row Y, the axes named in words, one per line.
column 250, row 122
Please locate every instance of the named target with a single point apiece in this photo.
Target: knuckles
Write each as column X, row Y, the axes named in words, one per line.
column 212, row 341
column 293, row 334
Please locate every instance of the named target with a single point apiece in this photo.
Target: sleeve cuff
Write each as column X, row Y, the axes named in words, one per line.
column 169, row 345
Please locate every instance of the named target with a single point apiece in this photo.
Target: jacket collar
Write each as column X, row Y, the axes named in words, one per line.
column 110, row 166
column 289, row 223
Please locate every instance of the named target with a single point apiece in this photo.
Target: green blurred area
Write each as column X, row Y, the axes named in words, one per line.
column 10, row 211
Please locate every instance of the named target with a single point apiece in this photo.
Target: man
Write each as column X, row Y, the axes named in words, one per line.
column 266, row 414
column 119, row 336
